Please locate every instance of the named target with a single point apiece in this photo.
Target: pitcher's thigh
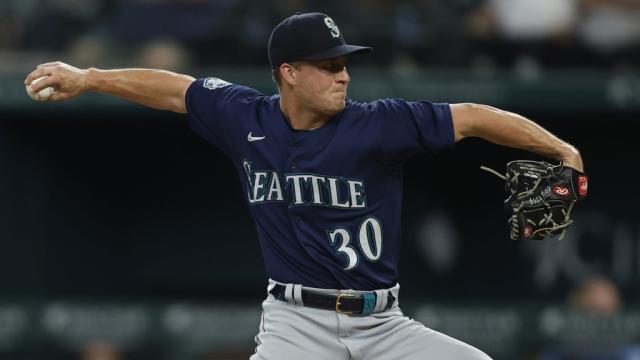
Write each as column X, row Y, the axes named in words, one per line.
column 410, row 340
column 289, row 332
column 436, row 345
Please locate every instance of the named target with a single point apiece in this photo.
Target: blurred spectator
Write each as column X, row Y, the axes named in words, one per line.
column 408, row 35
column 163, row 54
column 529, row 32
column 205, row 27
column 54, row 24
column 431, row 31
column 94, row 50
column 596, row 296
column 527, row 20
column 612, row 29
column 100, row 350
column 593, row 329
column 150, row 28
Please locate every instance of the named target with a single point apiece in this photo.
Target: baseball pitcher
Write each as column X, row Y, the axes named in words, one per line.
column 322, row 177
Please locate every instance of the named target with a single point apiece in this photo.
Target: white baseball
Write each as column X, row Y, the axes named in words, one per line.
column 42, row 95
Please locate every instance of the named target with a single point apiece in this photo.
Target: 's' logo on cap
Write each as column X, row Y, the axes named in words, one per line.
column 335, row 32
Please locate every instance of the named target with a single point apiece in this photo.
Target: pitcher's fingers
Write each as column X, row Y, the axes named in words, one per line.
column 59, row 96
column 51, row 80
column 37, row 74
column 53, row 63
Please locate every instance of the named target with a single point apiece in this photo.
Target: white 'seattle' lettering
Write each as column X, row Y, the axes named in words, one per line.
column 305, row 189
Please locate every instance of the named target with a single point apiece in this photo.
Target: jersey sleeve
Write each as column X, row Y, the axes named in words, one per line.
column 213, row 107
column 408, row 128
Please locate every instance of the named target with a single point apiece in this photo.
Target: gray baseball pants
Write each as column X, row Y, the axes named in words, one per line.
column 291, row 331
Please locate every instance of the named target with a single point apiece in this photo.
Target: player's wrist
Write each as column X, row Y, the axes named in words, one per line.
column 91, row 79
column 572, row 158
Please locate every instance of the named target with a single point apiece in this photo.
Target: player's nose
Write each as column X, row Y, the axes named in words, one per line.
column 343, row 76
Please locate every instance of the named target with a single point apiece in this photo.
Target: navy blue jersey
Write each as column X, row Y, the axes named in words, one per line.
column 326, row 202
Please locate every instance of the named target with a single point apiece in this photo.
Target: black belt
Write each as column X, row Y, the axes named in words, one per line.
column 352, row 304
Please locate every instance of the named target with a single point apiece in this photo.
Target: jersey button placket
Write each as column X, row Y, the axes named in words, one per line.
column 292, row 154
column 294, row 149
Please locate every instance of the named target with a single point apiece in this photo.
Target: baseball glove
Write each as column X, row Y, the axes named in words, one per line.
column 540, row 198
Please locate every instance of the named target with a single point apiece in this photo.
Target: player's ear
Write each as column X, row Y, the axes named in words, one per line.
column 288, row 73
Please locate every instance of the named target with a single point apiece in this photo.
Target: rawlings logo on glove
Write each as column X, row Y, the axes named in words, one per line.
column 541, row 197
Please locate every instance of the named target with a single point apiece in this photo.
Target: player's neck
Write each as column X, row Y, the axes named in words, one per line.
column 301, row 118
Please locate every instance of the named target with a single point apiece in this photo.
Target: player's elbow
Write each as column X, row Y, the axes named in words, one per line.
column 178, row 105
column 176, row 98
column 177, row 102
column 465, row 117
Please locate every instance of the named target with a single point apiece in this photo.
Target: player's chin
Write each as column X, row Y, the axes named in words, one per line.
column 338, row 101
column 335, row 107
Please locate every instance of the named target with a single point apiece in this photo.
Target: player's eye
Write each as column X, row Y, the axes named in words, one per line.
column 333, row 67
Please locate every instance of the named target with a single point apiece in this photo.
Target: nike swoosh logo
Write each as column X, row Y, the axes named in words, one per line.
column 255, row 138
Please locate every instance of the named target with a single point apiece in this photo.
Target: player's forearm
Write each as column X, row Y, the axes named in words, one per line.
column 158, row 89
column 513, row 130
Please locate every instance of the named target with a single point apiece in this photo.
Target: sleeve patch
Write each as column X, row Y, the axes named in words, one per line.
column 213, row 83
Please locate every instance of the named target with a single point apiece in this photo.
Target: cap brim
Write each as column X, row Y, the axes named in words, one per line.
column 339, row 50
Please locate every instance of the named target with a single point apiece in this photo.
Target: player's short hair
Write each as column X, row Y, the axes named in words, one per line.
column 275, row 75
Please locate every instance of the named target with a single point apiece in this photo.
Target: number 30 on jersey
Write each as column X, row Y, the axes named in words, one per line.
column 369, row 242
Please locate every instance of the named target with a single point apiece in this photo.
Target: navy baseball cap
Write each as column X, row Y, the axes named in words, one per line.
column 310, row 36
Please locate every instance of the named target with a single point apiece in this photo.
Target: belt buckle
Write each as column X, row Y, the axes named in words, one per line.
column 338, row 303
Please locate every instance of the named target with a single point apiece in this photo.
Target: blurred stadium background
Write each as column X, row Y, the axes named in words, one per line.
column 125, row 236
